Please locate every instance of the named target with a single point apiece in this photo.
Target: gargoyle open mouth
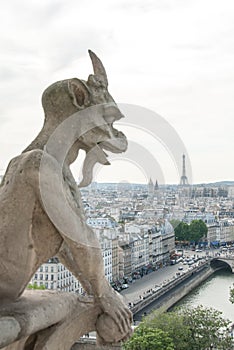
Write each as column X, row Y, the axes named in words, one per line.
column 116, row 144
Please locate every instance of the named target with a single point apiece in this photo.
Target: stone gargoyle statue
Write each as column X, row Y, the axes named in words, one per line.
column 41, row 213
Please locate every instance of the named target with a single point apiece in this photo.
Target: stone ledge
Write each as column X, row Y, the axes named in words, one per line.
column 47, row 320
column 90, row 344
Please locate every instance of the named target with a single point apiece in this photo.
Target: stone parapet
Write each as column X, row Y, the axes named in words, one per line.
column 46, row 320
column 89, row 344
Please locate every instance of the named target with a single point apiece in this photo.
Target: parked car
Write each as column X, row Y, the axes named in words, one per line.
column 125, row 286
column 191, row 262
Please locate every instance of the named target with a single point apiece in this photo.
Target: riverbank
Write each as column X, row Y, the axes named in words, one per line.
column 172, row 292
column 214, row 292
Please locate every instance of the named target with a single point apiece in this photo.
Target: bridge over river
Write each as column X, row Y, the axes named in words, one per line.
column 222, row 261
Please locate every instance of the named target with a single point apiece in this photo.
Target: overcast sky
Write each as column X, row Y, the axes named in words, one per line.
column 175, row 57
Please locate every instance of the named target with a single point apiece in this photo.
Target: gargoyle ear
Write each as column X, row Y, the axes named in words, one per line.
column 79, row 93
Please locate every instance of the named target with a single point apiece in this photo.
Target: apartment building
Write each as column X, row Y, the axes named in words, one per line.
column 54, row 275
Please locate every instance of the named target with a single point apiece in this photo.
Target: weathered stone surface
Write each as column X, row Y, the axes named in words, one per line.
column 41, row 213
column 111, row 333
column 9, row 330
column 54, row 317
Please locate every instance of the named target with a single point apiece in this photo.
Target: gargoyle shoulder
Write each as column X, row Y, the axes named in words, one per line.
column 26, row 168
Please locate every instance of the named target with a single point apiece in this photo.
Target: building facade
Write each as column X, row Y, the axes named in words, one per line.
column 54, row 275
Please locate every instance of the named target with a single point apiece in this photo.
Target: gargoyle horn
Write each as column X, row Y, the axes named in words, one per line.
column 98, row 67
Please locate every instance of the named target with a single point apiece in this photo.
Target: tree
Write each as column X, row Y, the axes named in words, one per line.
column 197, row 230
column 35, row 286
column 193, row 232
column 198, row 328
column 148, row 338
column 208, row 328
column 173, row 323
column 182, row 231
column 174, row 223
column 231, row 296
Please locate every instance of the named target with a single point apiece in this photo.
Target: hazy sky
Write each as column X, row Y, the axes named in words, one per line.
column 175, row 57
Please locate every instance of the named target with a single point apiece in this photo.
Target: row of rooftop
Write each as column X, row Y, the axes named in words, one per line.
column 134, row 230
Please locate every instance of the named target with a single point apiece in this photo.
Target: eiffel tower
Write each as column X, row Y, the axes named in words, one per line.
column 183, row 179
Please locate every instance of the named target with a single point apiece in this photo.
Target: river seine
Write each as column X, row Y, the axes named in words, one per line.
column 214, row 292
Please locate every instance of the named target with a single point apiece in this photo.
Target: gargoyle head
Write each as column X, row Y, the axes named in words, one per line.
column 65, row 98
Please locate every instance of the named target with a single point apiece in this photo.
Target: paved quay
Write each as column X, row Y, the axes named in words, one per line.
column 139, row 287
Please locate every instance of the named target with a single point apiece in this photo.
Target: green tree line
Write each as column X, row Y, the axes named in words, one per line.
column 193, row 232
column 231, row 294
column 35, row 286
column 198, row 328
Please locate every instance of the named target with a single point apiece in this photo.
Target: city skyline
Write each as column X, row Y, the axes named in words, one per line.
column 173, row 58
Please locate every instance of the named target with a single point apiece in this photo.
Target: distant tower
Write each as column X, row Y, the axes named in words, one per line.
column 150, row 187
column 156, row 187
column 183, row 179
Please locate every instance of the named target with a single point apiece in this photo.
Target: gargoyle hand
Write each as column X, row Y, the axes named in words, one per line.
column 116, row 320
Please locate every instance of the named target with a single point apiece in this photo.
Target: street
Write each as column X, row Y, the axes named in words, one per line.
column 163, row 275
column 149, row 281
